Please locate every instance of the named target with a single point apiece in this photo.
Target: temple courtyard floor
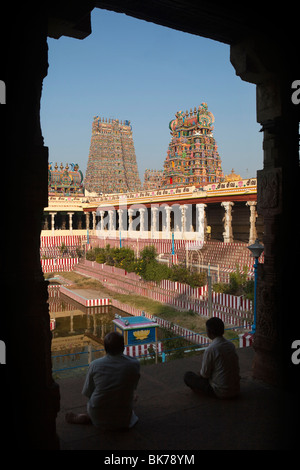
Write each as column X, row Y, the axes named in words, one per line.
column 173, row 418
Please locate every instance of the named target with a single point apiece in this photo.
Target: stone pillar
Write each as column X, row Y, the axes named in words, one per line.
column 253, row 216
column 183, row 209
column 87, row 220
column 70, row 214
column 111, row 216
column 29, row 397
column 142, row 219
column 200, row 222
column 276, row 286
column 53, row 214
column 120, row 212
column 94, row 219
column 154, row 212
column 130, row 214
column 262, row 61
column 102, row 220
column 227, row 234
column 168, row 220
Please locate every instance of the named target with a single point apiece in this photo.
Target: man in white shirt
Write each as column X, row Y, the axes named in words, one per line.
column 219, row 374
column 110, row 385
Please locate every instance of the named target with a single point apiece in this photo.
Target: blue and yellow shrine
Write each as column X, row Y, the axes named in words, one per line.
column 136, row 330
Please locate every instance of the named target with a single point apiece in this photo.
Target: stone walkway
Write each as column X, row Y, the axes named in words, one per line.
column 172, row 417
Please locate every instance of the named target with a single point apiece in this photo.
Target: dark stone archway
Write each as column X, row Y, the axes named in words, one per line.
column 259, row 53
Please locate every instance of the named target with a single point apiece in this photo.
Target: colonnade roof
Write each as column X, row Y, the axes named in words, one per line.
column 243, row 190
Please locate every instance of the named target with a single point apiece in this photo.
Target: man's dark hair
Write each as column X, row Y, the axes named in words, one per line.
column 215, row 326
column 114, row 343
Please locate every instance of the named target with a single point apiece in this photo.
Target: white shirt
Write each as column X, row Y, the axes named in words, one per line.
column 220, row 365
column 110, row 383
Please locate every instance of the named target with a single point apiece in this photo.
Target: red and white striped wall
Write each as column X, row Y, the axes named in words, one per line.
column 58, row 240
column 246, row 339
column 180, row 288
column 58, row 264
column 142, row 349
column 231, row 301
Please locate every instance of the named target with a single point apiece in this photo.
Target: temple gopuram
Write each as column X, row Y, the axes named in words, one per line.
column 192, row 157
column 152, row 179
column 65, row 181
column 112, row 165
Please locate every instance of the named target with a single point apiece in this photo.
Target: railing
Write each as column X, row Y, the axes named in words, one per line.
column 233, row 316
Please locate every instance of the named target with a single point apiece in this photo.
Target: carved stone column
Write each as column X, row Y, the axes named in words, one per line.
column 153, row 220
column 120, row 212
column 111, row 220
column 168, row 220
column 53, row 214
column 94, row 220
column 130, row 215
column 263, row 62
column 102, row 220
column 183, row 209
column 87, row 220
column 70, row 214
column 29, row 397
column 253, row 216
column 227, row 234
column 142, row 219
column 200, row 222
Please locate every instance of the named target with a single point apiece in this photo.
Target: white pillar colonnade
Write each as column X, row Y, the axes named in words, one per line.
column 186, row 221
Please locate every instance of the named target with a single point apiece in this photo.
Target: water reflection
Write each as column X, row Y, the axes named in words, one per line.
column 78, row 334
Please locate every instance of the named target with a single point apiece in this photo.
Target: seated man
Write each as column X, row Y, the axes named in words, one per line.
column 219, row 374
column 109, row 385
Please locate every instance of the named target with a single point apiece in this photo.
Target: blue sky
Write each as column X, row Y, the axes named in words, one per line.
column 135, row 70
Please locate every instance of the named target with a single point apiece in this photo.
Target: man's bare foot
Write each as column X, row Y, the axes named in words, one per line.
column 74, row 418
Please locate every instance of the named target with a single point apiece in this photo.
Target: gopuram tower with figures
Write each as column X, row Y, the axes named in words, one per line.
column 112, row 166
column 192, row 157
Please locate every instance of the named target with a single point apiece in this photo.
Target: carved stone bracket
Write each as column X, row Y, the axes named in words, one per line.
column 269, row 192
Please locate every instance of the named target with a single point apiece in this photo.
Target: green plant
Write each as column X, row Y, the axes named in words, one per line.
column 220, row 287
column 154, row 271
column 123, row 256
column 238, row 284
column 148, row 254
column 179, row 273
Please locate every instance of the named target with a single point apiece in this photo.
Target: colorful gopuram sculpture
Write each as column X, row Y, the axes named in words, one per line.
column 112, row 166
column 192, row 157
column 152, row 179
column 65, row 181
